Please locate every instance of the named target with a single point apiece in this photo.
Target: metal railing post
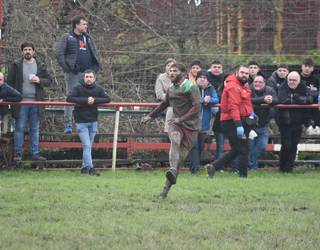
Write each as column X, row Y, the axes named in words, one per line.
column 115, row 139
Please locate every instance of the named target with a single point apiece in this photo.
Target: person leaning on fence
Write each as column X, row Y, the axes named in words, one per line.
column 236, row 115
column 261, row 94
column 208, row 98
column 29, row 76
column 312, row 81
column 184, row 98
column 290, row 120
column 7, row 94
column 278, row 77
column 88, row 94
column 162, row 85
column 76, row 52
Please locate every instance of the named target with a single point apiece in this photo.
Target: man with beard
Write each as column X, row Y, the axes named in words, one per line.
column 88, row 94
column 29, row 76
column 236, row 109
column 184, row 98
column 76, row 52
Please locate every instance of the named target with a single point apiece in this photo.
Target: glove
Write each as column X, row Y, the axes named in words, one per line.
column 240, row 132
column 252, row 119
column 145, row 119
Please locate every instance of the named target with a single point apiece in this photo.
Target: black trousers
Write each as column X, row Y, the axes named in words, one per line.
column 239, row 147
column 290, row 136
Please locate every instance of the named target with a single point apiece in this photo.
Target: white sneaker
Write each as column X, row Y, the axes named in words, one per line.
column 309, row 130
column 317, row 130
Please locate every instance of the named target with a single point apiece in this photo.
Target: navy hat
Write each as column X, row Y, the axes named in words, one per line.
column 195, row 62
column 253, row 63
column 201, row 73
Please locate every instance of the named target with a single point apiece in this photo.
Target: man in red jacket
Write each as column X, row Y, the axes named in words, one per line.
column 236, row 116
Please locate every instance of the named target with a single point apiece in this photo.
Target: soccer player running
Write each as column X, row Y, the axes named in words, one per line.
column 184, row 98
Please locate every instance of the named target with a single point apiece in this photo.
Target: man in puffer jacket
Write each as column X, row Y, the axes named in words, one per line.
column 208, row 98
column 278, row 77
column 290, row 120
column 76, row 52
column 261, row 94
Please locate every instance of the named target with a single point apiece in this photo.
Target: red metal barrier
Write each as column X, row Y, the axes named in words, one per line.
column 131, row 145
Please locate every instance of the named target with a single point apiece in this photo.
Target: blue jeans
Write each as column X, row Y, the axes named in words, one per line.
column 87, row 132
column 195, row 153
column 71, row 80
column 31, row 114
column 257, row 146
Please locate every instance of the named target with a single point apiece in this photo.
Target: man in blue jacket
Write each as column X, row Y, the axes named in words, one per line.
column 88, row 94
column 76, row 52
column 208, row 98
column 7, row 94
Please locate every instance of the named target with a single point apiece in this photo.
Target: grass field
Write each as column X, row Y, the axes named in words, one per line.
column 66, row 210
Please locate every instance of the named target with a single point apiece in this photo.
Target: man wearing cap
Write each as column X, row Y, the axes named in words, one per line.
column 184, row 98
column 236, row 109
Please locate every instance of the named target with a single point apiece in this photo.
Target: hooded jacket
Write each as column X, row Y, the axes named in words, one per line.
column 79, row 94
column 235, row 101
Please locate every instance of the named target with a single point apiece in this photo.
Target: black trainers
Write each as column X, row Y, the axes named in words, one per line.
column 84, row 171
column 165, row 190
column 171, row 177
column 93, row 171
column 38, row 157
column 211, row 170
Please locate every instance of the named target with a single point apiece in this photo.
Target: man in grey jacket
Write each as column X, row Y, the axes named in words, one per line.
column 76, row 52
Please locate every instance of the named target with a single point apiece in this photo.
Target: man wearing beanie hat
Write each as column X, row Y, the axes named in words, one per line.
column 208, row 98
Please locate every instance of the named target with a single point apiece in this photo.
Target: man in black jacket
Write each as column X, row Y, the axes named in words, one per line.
column 260, row 94
column 29, row 76
column 290, row 120
column 76, row 52
column 7, row 94
column 88, row 94
column 312, row 81
column 278, row 77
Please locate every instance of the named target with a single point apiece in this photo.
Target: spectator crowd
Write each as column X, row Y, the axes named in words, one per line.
column 190, row 98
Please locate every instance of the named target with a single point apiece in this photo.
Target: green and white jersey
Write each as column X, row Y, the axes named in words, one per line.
column 181, row 98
